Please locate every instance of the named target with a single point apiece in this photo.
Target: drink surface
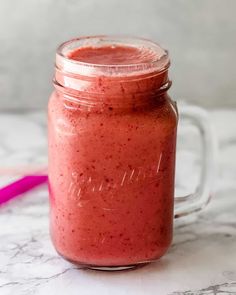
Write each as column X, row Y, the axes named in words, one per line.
column 113, row 55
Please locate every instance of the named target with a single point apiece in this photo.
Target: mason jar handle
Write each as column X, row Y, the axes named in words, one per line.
column 196, row 201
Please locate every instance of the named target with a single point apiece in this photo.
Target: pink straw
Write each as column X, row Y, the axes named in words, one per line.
column 21, row 186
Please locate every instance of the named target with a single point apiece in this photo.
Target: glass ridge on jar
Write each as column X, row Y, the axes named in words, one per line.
column 112, row 143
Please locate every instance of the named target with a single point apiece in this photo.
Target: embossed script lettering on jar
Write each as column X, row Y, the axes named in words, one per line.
column 85, row 189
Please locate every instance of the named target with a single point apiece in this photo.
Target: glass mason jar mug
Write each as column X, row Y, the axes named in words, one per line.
column 112, row 146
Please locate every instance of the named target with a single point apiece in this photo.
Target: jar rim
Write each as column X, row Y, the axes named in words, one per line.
column 160, row 63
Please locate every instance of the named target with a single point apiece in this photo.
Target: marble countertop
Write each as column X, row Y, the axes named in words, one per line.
column 202, row 259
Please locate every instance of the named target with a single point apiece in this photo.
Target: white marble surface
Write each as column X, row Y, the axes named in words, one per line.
column 202, row 259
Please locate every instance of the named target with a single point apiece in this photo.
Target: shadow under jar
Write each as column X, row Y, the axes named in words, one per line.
column 112, row 145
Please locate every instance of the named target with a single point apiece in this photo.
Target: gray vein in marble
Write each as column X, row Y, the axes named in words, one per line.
column 225, row 288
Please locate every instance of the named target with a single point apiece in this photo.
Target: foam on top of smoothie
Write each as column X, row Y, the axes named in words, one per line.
column 111, row 57
column 115, row 55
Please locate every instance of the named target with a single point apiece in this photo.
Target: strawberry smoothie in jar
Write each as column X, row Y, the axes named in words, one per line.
column 112, row 144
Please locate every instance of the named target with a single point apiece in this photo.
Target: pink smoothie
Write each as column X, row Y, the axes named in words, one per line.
column 111, row 166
